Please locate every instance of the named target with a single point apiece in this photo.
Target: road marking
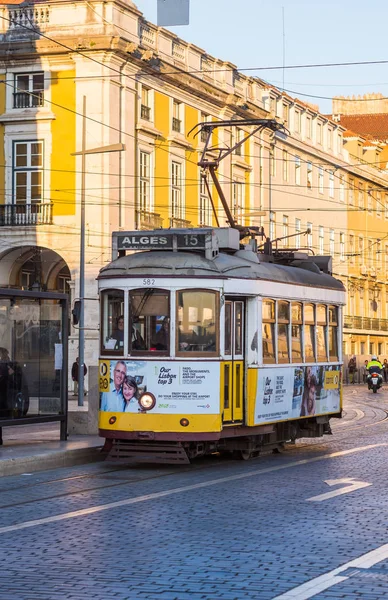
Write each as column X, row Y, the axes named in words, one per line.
column 350, row 486
column 324, row 582
column 96, row 509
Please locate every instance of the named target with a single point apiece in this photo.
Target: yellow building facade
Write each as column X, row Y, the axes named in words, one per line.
column 148, row 89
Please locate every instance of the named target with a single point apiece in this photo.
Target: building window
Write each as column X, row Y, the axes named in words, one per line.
column 342, row 189
column 145, row 109
column 297, row 170
column 351, row 249
column 378, row 204
column 370, row 200
column 204, row 134
column 205, row 208
column 309, row 175
column 297, row 231
column 29, row 90
column 272, row 161
column 177, row 109
column 286, row 114
column 386, row 206
column 310, row 235
column 361, row 249
column 342, row 246
column 330, row 138
column 331, row 242
column 321, row 239
column 361, row 203
column 144, row 182
column 339, row 144
column 386, row 261
column 320, row 180
column 285, row 229
column 379, row 253
column 331, row 184
column 239, row 137
column 319, row 133
column 285, row 165
column 177, row 207
column 28, row 172
column 238, row 200
column 297, row 121
column 272, row 224
column 308, row 128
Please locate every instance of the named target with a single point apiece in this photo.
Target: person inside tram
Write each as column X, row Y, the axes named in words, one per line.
column 137, row 340
column 118, row 333
column 163, row 335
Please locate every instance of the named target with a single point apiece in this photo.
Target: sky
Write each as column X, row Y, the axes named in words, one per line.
column 249, row 33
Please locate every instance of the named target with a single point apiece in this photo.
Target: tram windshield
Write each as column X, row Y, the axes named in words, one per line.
column 197, row 317
column 149, row 316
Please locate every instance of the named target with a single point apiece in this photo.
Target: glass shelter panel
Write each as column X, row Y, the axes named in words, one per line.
column 149, row 315
column 112, row 326
column 197, row 318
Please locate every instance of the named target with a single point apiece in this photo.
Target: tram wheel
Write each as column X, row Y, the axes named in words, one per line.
column 249, row 454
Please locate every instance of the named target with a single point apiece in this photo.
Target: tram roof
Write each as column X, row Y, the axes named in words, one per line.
column 241, row 265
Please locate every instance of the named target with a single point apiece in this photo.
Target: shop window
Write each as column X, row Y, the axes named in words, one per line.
column 197, row 319
column 268, row 330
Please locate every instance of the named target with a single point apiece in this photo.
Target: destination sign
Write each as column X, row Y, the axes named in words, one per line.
column 165, row 241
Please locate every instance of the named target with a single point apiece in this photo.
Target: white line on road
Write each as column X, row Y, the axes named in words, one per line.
column 96, row 509
column 324, row 582
column 350, row 486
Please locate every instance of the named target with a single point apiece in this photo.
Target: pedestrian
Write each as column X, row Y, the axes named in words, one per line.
column 75, row 375
column 352, row 368
column 364, row 371
column 385, row 370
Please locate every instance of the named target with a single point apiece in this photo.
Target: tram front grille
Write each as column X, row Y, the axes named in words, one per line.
column 155, row 452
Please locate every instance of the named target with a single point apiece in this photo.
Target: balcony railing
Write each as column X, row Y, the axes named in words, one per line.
column 26, row 214
column 369, row 323
column 179, row 223
column 148, row 220
column 176, row 124
column 28, row 100
column 145, row 112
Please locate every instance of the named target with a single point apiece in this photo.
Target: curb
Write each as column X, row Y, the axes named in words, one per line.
column 52, row 460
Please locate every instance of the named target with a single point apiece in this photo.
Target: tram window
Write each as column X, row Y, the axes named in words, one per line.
column 112, row 326
column 333, row 333
column 309, row 329
column 283, row 324
column 197, row 316
column 238, row 328
column 228, row 328
column 296, row 331
column 268, row 330
column 149, row 327
column 321, row 332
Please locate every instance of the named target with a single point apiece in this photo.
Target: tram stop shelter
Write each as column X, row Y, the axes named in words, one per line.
column 33, row 358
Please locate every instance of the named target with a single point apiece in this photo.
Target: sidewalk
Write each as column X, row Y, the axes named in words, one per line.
column 31, row 448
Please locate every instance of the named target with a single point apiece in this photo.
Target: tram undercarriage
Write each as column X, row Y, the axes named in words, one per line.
column 243, row 446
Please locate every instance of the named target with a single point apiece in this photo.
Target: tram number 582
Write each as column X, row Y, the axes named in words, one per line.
column 149, row 282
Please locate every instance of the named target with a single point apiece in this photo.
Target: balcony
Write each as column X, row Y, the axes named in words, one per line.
column 26, row 214
column 179, row 223
column 365, row 323
column 145, row 112
column 28, row 100
column 176, row 125
column 148, row 220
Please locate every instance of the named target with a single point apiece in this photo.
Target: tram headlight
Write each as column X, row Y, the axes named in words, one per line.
column 147, row 401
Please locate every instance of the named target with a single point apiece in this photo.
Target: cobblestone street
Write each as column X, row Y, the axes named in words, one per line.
column 219, row 529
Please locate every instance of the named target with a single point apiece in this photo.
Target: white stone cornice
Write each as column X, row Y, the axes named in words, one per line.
column 26, row 117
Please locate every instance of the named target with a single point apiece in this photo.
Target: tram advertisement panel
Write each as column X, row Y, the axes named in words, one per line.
column 290, row 393
column 177, row 387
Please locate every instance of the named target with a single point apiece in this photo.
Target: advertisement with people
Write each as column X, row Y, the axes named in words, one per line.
column 173, row 387
column 289, row 393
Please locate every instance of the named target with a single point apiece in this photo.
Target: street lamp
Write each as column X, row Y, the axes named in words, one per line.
column 81, row 338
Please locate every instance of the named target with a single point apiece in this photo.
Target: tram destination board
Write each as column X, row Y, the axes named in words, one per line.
column 161, row 241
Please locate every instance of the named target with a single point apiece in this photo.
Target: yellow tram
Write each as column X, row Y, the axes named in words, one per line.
column 208, row 345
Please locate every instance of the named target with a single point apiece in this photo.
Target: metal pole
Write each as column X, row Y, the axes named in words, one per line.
column 81, row 337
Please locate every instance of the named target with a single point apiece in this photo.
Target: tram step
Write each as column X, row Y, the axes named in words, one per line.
column 149, row 452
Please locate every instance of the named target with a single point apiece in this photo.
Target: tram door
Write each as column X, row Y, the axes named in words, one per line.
column 233, row 367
